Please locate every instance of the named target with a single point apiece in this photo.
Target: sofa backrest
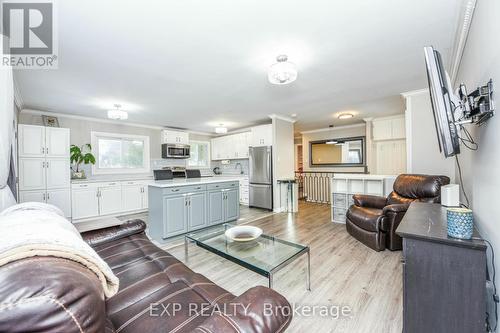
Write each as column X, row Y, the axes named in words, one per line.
column 413, row 187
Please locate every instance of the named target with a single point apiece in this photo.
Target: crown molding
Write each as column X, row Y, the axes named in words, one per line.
column 461, row 34
column 108, row 121
column 281, row 117
column 333, row 128
column 414, row 92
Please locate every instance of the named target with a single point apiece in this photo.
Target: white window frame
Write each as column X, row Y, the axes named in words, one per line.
column 208, row 156
column 94, row 136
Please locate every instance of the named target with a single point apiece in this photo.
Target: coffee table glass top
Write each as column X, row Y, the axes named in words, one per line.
column 263, row 255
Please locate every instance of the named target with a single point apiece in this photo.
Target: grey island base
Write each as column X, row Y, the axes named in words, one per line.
column 179, row 206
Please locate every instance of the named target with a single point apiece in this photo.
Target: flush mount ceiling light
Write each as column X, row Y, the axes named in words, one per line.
column 282, row 72
column 345, row 115
column 221, row 129
column 117, row 114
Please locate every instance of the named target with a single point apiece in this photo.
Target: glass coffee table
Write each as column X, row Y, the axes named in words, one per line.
column 265, row 256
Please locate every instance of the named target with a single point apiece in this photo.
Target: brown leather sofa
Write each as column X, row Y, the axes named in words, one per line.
column 157, row 293
column 373, row 220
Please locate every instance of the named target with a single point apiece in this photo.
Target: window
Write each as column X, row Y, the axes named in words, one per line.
column 120, row 153
column 199, row 154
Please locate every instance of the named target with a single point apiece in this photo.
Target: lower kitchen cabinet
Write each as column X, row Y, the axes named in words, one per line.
column 197, row 210
column 177, row 210
column 110, row 199
column 132, row 197
column 84, row 201
column 215, row 207
column 175, row 215
column 58, row 197
column 231, row 205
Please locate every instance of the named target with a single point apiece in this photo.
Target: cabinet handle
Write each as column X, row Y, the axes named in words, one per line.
column 43, row 197
column 48, row 196
column 43, row 150
column 46, row 150
column 47, row 164
column 175, row 190
column 186, row 202
column 198, row 188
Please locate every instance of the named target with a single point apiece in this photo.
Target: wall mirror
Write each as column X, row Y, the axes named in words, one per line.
column 338, row 152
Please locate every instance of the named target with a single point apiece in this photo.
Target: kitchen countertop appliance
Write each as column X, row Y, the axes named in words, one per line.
column 261, row 177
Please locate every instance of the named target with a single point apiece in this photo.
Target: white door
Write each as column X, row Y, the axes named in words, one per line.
column 61, row 199
column 58, row 173
column 382, row 129
column 110, row 200
column 31, row 141
column 57, row 142
column 84, row 203
column 132, row 197
column 398, row 128
column 32, row 174
column 27, row 196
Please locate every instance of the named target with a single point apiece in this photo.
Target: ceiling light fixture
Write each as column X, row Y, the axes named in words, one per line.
column 345, row 115
column 282, row 72
column 117, row 114
column 221, row 129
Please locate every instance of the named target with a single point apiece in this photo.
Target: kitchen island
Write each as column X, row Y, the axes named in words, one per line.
column 179, row 206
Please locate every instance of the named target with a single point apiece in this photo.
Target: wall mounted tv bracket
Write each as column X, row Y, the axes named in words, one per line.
column 476, row 107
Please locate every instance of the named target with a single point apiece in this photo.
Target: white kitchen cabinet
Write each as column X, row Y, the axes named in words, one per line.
column 32, row 174
column 36, row 196
column 84, row 201
column 390, row 157
column 57, row 142
column 244, row 191
column 132, row 197
column 262, row 136
column 390, row 128
column 60, row 198
column 58, row 173
column 230, row 147
column 110, row 199
column 169, row 136
column 31, row 141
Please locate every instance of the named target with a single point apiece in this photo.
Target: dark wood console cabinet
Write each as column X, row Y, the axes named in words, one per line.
column 444, row 279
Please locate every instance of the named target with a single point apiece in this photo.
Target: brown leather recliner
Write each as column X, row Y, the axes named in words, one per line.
column 158, row 293
column 373, row 220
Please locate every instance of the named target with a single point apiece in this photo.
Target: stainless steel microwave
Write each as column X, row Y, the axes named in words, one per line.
column 170, row 150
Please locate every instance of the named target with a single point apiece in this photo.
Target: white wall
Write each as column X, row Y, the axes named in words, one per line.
column 481, row 169
column 422, row 146
column 283, row 157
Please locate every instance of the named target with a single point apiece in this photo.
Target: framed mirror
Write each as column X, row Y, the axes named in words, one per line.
column 338, row 152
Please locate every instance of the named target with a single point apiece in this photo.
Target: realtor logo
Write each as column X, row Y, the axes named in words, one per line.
column 29, row 40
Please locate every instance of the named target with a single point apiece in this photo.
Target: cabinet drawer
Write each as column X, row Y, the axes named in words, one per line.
column 219, row 186
column 339, row 214
column 339, row 200
column 77, row 186
column 184, row 189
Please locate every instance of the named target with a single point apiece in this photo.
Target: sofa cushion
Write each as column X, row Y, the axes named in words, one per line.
column 365, row 218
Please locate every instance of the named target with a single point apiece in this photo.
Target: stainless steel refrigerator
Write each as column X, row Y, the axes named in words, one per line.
column 261, row 177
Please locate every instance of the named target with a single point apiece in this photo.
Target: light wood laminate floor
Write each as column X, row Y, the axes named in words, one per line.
column 344, row 272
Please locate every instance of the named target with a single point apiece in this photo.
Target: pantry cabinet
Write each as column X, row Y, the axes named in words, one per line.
column 389, row 128
column 231, row 147
column 262, row 136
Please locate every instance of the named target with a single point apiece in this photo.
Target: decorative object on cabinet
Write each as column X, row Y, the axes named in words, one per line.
column 78, row 155
column 50, row 121
column 243, row 233
column 460, row 223
column 44, row 165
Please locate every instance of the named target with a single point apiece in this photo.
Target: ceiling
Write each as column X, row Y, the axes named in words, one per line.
column 195, row 64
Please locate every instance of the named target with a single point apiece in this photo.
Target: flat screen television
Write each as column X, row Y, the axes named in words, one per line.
column 443, row 102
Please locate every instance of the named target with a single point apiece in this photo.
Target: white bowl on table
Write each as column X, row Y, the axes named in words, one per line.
column 243, row 233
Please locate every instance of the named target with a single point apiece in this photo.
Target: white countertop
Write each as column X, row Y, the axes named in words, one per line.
column 361, row 176
column 193, row 181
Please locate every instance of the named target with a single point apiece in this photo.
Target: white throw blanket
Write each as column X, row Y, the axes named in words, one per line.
column 37, row 229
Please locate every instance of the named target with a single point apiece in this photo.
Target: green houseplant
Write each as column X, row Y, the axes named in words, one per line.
column 79, row 155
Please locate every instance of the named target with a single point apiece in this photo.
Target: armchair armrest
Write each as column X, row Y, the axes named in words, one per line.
column 396, row 208
column 100, row 236
column 373, row 201
column 259, row 309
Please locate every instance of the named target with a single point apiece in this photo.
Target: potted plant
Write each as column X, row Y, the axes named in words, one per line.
column 79, row 155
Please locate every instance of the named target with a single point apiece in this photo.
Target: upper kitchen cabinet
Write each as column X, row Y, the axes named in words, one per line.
column 231, row 147
column 389, row 128
column 262, row 136
column 40, row 141
column 169, row 136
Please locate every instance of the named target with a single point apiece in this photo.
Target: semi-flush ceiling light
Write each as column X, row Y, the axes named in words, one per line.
column 345, row 115
column 282, row 72
column 221, row 129
column 117, row 114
